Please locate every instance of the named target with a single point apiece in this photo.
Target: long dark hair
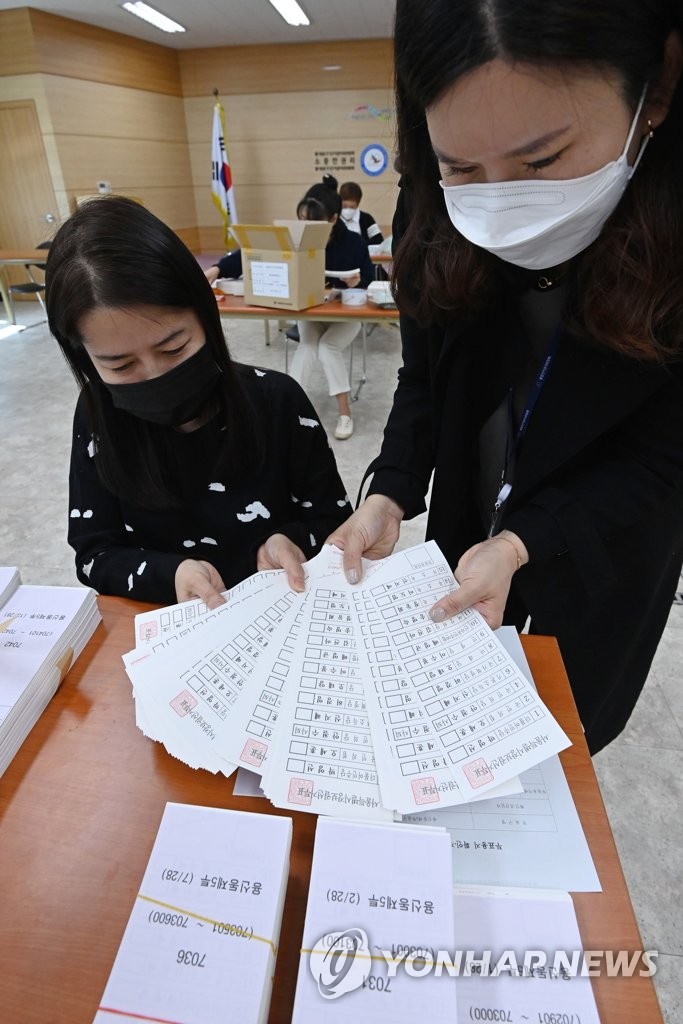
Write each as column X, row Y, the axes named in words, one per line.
column 114, row 253
column 630, row 281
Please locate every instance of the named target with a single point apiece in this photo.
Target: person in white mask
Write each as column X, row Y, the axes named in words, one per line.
column 539, row 275
column 360, row 221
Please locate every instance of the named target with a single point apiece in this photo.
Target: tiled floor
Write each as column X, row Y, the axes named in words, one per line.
column 641, row 774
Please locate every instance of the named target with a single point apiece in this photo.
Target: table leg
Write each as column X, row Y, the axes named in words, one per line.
column 9, row 308
column 363, row 379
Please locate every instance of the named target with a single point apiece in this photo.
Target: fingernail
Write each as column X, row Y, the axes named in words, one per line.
column 352, row 575
column 299, row 586
column 437, row 614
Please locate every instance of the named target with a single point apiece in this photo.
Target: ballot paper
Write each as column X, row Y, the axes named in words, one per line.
column 533, row 838
column 323, row 759
column 345, row 699
column 377, row 893
column 452, row 715
column 525, row 955
column 163, row 625
column 218, row 688
column 204, row 929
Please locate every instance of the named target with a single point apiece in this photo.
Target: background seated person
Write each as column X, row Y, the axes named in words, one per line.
column 356, row 219
column 229, row 265
column 327, row 341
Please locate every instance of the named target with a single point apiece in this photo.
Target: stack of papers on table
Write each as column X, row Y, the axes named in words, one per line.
column 378, row 894
column 201, row 941
column 345, row 700
column 42, row 632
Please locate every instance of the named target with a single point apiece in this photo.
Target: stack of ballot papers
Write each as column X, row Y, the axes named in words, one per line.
column 201, row 941
column 42, row 632
column 344, row 700
column 378, row 893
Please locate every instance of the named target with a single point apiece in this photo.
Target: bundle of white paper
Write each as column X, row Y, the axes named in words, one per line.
column 375, row 888
column 518, row 933
column 50, row 627
column 347, row 700
column 201, row 941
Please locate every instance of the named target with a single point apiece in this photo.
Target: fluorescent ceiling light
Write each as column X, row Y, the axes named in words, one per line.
column 148, row 13
column 290, row 11
column 332, row 67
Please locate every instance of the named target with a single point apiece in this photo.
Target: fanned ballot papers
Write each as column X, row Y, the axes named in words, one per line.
column 345, row 700
column 201, row 941
column 380, row 907
column 42, row 632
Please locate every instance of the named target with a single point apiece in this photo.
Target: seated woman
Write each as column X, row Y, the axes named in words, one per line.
column 345, row 250
column 229, row 265
column 188, row 471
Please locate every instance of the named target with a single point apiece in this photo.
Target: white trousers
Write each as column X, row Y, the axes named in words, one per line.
column 324, row 342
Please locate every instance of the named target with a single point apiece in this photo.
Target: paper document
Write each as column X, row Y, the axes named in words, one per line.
column 524, row 930
column 345, row 699
column 533, row 838
column 375, row 888
column 204, row 929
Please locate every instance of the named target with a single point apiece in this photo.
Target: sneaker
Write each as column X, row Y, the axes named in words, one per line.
column 293, row 333
column 344, row 428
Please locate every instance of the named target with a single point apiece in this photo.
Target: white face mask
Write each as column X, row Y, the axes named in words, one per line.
column 539, row 224
column 351, row 218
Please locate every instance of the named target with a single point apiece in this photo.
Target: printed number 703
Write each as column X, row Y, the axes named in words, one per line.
column 190, row 959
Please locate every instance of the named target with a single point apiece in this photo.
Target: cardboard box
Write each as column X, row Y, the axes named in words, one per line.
column 283, row 263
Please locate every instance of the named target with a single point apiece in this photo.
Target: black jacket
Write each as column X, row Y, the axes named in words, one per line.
column 597, row 495
column 129, row 551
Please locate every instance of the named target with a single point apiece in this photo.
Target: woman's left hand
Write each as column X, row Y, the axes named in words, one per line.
column 279, row 552
column 484, row 573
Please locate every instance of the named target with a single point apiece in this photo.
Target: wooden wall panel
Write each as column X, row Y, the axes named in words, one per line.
column 67, row 47
column 129, row 164
column 273, row 140
column 17, row 49
column 346, row 113
column 292, row 68
column 93, row 109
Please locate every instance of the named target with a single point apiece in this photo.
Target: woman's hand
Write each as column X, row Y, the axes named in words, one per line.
column 279, row 552
column 372, row 532
column 212, row 274
column 484, row 574
column 352, row 282
column 199, row 579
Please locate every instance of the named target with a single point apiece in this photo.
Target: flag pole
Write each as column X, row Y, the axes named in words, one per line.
column 222, row 191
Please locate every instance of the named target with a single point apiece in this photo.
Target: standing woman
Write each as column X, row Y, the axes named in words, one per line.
column 188, row 471
column 539, row 274
column 327, row 342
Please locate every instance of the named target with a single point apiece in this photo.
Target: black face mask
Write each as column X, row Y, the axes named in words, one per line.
column 174, row 398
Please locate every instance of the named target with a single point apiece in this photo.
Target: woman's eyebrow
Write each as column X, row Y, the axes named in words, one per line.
column 527, row 149
column 157, row 344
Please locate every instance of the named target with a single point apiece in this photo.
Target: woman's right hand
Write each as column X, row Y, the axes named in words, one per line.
column 212, row 274
column 199, row 579
column 371, row 532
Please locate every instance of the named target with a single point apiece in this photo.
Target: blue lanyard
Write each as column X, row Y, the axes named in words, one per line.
column 532, row 399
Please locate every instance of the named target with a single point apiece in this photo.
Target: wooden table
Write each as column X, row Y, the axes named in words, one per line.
column 81, row 804
column 234, row 307
column 16, row 258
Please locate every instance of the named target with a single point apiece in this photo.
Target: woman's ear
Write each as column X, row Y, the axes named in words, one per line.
column 334, row 218
column 661, row 92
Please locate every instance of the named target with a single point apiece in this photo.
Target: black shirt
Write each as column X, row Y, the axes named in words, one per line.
column 126, row 550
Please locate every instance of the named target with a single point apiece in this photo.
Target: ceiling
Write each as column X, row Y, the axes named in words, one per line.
column 231, row 22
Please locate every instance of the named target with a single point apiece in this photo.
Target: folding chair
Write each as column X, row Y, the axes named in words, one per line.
column 32, row 287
